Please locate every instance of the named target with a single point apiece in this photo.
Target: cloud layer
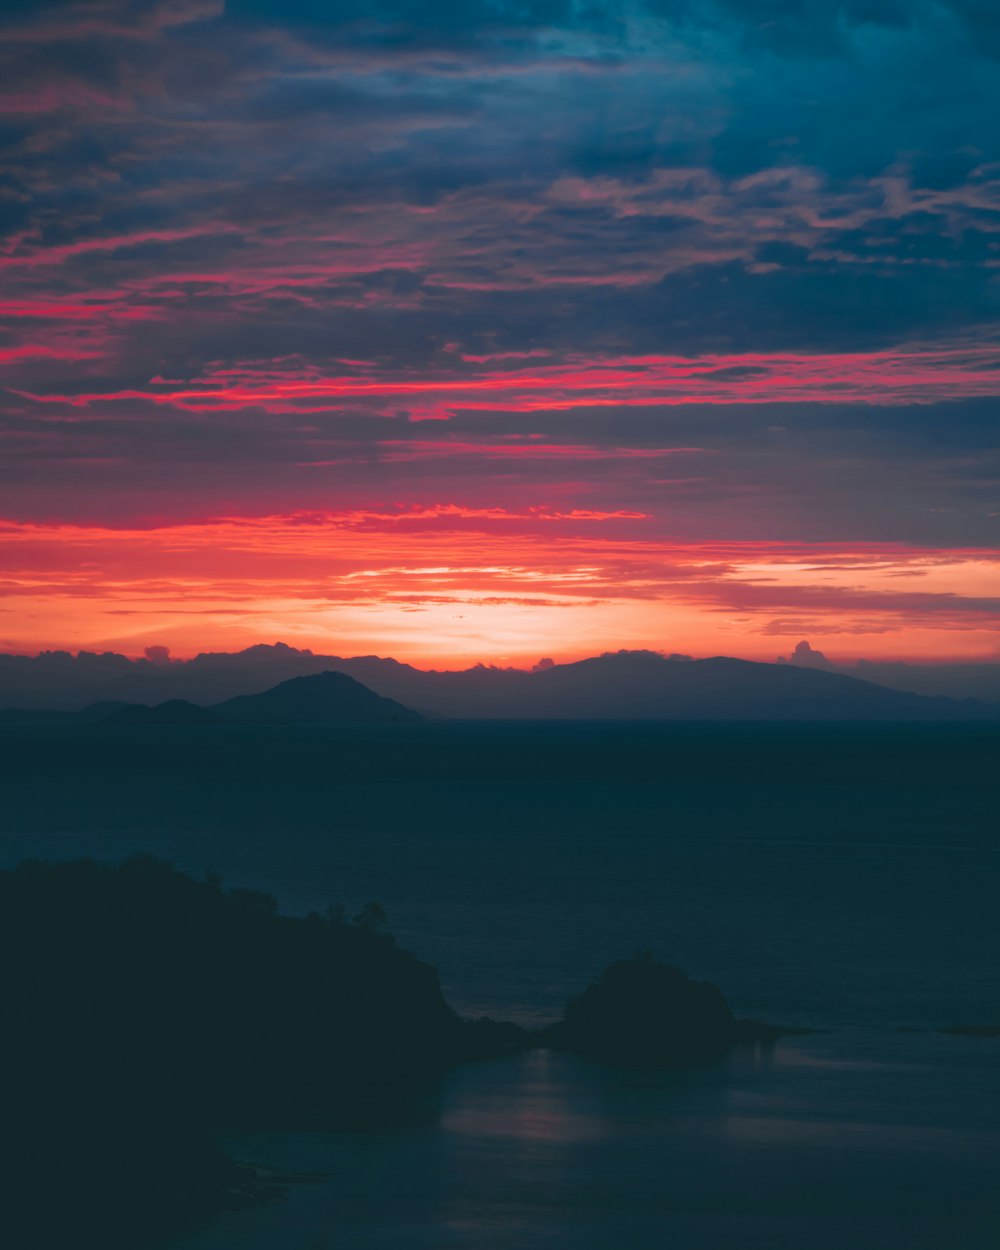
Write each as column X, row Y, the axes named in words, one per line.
column 670, row 276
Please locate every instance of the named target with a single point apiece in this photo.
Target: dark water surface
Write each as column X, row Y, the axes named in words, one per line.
column 844, row 878
column 872, row 1146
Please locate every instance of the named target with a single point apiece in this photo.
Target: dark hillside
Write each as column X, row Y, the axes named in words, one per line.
column 324, row 698
column 142, row 1008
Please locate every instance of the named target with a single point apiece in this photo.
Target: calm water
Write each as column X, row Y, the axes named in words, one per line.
column 840, row 878
column 871, row 1145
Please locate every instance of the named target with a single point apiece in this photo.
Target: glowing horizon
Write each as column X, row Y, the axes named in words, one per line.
column 448, row 583
column 531, row 333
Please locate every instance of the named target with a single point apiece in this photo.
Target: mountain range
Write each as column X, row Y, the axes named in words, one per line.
column 321, row 699
column 265, row 685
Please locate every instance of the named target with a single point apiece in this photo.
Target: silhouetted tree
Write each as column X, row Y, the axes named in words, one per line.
column 141, row 1008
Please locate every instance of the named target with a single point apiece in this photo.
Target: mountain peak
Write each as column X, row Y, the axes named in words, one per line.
column 320, row 698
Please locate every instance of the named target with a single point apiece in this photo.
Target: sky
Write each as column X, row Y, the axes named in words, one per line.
column 488, row 330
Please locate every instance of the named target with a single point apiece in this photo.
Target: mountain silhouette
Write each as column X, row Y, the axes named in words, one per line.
column 643, row 685
column 324, row 698
column 177, row 712
column 633, row 685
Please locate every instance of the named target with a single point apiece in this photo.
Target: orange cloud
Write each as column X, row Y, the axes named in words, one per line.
column 480, row 583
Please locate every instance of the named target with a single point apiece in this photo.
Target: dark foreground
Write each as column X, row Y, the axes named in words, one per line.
column 146, row 1011
column 842, row 879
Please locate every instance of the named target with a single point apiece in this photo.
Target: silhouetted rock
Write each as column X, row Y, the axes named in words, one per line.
column 324, row 698
column 644, row 1013
column 174, row 712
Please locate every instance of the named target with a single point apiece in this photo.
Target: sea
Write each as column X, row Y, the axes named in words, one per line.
column 841, row 879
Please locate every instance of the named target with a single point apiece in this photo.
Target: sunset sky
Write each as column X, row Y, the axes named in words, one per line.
column 467, row 330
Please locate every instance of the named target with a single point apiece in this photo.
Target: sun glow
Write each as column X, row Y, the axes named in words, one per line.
column 348, row 583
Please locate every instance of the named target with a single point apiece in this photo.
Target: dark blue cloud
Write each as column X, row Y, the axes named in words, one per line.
column 190, row 187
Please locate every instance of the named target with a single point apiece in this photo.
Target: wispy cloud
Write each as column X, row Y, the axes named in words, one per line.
column 613, row 281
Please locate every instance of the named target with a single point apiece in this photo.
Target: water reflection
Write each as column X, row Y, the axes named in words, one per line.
column 542, row 1104
column 822, row 1142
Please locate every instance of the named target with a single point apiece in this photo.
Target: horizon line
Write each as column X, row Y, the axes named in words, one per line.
column 808, row 657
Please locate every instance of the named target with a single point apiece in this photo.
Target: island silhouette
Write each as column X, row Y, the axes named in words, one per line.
column 281, row 686
column 643, row 1013
column 147, row 1010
